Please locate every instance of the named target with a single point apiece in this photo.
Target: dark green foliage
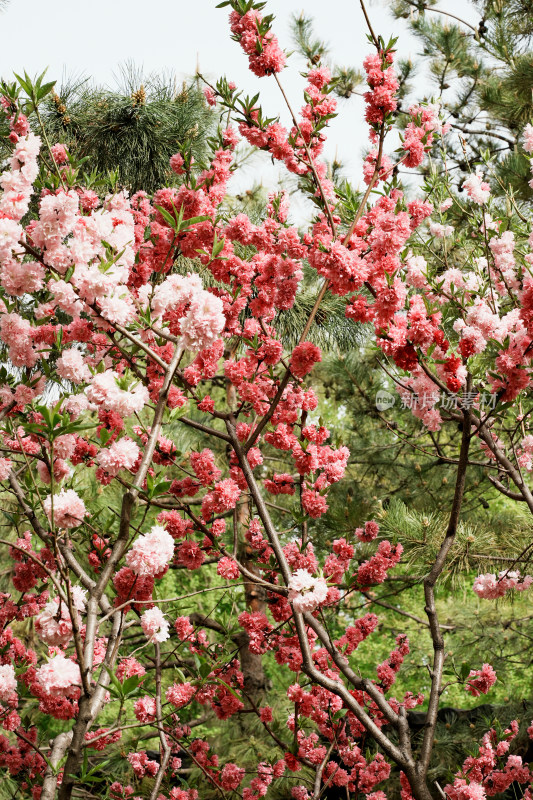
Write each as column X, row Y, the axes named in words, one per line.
column 507, row 98
column 131, row 130
column 331, row 330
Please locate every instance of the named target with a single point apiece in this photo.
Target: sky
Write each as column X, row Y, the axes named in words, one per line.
column 93, row 39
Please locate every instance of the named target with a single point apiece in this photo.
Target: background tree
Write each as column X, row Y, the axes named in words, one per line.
column 482, row 72
column 127, row 134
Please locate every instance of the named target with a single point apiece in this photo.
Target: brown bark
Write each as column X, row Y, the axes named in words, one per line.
column 255, row 681
column 254, row 595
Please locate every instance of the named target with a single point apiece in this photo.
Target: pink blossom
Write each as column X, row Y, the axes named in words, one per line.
column 142, row 765
column 461, row 790
column 154, row 625
column 176, row 163
column 228, row 568
column 65, row 445
column 265, row 56
column 19, row 279
column 258, row 629
column 265, row 714
column 183, row 628
column 210, row 96
column 203, row 323
column 304, row 356
column 145, row 710
column 490, row 586
column 190, row 555
column 375, row 569
column 314, row 503
column 75, row 405
column 60, row 677
column 440, row 231
column 479, row 681
column 528, row 138
column 54, row 625
column 151, row 552
column 17, row 333
column 174, row 291
column 369, row 532
column 117, row 307
column 68, row 509
column 129, row 667
column 179, row 694
column 8, row 682
column 59, row 153
column 319, row 77
column 231, row 777
column 280, row 484
column 204, row 467
column 5, row 468
column 17, row 181
column 120, row 455
column 306, row 593
column 88, row 200
column 104, row 390
column 66, row 298
column 223, row 497
column 476, row 188
column 10, row 234
column 202, row 318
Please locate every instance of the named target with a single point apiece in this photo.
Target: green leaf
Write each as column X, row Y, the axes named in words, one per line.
column 233, row 692
column 130, row 685
column 105, row 436
column 205, row 670
column 42, row 91
column 26, row 84
column 167, row 216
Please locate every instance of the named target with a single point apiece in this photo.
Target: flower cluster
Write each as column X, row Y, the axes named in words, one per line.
column 265, row 56
column 306, row 593
column 492, row 771
column 491, row 586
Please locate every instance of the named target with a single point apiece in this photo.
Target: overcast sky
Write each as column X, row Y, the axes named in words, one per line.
column 94, row 38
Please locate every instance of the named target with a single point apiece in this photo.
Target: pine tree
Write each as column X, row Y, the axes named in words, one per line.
column 131, row 130
column 482, row 73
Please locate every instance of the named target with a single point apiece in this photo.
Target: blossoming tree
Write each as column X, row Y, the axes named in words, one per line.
column 111, row 349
